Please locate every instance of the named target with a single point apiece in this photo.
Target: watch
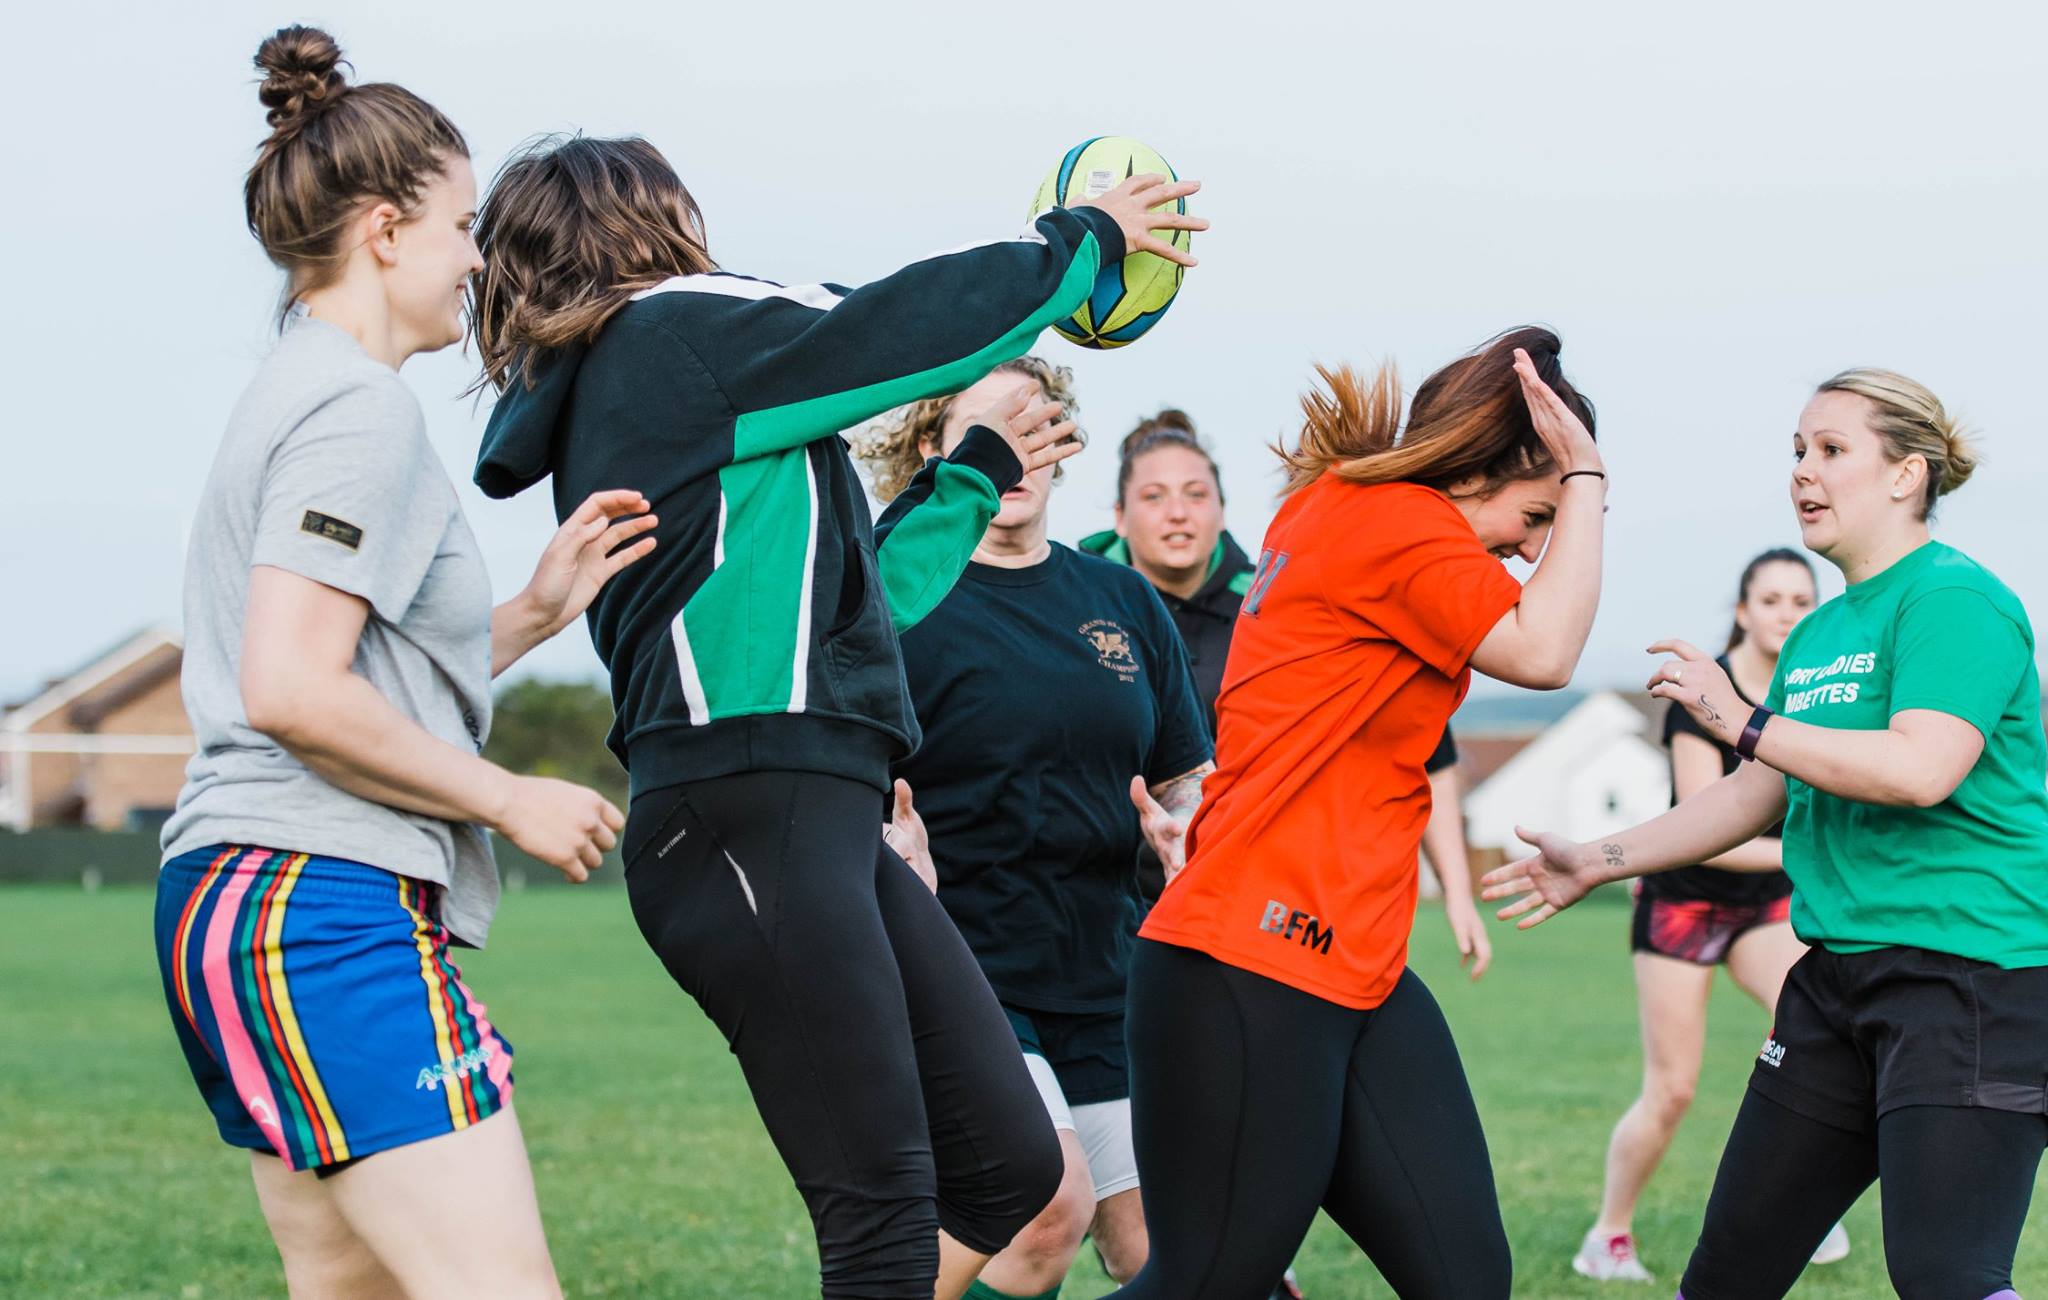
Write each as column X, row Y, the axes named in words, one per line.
column 1745, row 748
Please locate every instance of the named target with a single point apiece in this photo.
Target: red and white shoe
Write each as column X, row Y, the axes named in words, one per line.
column 1610, row 1259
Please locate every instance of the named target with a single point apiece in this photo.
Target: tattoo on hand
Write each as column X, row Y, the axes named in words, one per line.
column 1615, row 858
column 1713, row 715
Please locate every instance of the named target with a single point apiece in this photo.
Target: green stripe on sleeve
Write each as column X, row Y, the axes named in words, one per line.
column 925, row 553
column 759, row 432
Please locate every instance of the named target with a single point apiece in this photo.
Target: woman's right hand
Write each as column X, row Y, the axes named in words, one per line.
column 1566, row 437
column 1135, row 204
column 561, row 823
column 1033, row 428
column 1561, row 873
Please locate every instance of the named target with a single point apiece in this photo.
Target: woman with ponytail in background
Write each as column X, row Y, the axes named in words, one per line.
column 1283, row 1056
column 1731, row 911
column 328, row 847
column 1901, row 746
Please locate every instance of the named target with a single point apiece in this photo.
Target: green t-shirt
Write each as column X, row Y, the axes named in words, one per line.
column 1969, row 875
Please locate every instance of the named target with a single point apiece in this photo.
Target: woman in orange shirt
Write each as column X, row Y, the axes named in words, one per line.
column 1283, row 1057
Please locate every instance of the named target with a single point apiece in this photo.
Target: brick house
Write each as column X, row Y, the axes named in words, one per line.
column 102, row 747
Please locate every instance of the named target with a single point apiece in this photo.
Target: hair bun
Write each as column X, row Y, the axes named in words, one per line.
column 1170, row 421
column 1962, row 458
column 301, row 76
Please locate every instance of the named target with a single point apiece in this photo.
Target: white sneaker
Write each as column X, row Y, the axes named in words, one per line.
column 1834, row 1247
column 1610, row 1259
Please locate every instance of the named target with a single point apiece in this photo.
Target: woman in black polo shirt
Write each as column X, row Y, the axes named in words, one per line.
column 1030, row 811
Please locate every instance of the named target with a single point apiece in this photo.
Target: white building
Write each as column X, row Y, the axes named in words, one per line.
column 1595, row 770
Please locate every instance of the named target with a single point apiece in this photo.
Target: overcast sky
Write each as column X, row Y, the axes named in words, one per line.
column 1716, row 206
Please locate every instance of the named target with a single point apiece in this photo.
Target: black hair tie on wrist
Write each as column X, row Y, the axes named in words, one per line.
column 1588, row 473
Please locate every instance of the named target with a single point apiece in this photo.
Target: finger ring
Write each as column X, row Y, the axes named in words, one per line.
column 1678, row 674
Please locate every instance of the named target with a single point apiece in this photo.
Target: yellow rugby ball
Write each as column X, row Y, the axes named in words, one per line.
column 1129, row 296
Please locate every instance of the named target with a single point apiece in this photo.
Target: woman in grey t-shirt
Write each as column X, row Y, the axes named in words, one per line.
column 329, row 844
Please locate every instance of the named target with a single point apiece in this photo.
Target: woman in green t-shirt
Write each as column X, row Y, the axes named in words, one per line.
column 1902, row 745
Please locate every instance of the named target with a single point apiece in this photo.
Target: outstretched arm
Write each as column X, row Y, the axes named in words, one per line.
column 803, row 363
column 1732, row 810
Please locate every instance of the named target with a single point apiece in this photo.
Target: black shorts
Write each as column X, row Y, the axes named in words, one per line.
column 1859, row 1035
column 1696, row 930
column 1086, row 1051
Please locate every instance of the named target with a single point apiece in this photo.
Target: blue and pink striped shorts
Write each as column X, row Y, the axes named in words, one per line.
column 317, row 1006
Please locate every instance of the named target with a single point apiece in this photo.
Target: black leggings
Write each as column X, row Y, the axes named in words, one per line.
column 1254, row 1103
column 1957, row 1181
column 881, row 1063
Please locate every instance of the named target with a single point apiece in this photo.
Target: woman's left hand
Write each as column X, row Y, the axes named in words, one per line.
column 1475, row 950
column 585, row 553
column 1692, row 680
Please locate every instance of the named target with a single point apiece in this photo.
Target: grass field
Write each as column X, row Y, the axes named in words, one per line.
column 654, row 1173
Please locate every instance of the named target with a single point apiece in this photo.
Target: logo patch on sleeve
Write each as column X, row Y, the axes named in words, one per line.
column 334, row 530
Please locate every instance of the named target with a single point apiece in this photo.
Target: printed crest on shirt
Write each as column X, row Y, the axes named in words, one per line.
column 1114, row 648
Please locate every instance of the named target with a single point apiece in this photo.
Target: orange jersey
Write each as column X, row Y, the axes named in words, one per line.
column 1348, row 658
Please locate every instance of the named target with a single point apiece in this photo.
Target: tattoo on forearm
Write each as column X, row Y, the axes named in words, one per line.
column 1713, row 715
column 1615, row 858
column 1183, row 794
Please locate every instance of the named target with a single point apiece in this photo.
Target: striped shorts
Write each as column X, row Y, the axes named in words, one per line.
column 317, row 1006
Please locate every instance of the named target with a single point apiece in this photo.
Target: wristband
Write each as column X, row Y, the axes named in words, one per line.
column 1588, row 473
column 1745, row 748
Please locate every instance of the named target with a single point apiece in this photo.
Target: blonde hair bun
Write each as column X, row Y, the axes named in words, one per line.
column 1911, row 421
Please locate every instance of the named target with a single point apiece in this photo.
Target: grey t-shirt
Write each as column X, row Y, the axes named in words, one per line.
column 325, row 471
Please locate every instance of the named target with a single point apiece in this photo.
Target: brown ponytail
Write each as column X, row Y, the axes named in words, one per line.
column 1468, row 420
column 333, row 147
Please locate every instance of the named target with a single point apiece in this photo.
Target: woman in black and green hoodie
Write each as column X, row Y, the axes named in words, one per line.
column 755, row 672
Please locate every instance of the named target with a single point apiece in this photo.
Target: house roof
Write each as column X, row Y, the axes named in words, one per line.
column 1481, row 756
column 1512, row 712
column 64, row 690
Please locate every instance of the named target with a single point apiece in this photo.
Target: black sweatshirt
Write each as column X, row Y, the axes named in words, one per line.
column 761, row 632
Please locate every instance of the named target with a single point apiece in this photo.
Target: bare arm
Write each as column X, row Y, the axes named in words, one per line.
column 1443, row 843
column 1182, row 794
column 1164, row 811
column 1729, row 812
column 1695, row 765
column 299, row 642
column 1538, row 642
column 1916, row 761
column 1443, row 836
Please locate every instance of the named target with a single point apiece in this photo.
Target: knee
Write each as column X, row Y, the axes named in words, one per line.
column 1667, row 1100
column 1925, row 1270
column 1124, row 1254
column 1005, row 1196
column 1056, row 1233
column 350, row 1271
